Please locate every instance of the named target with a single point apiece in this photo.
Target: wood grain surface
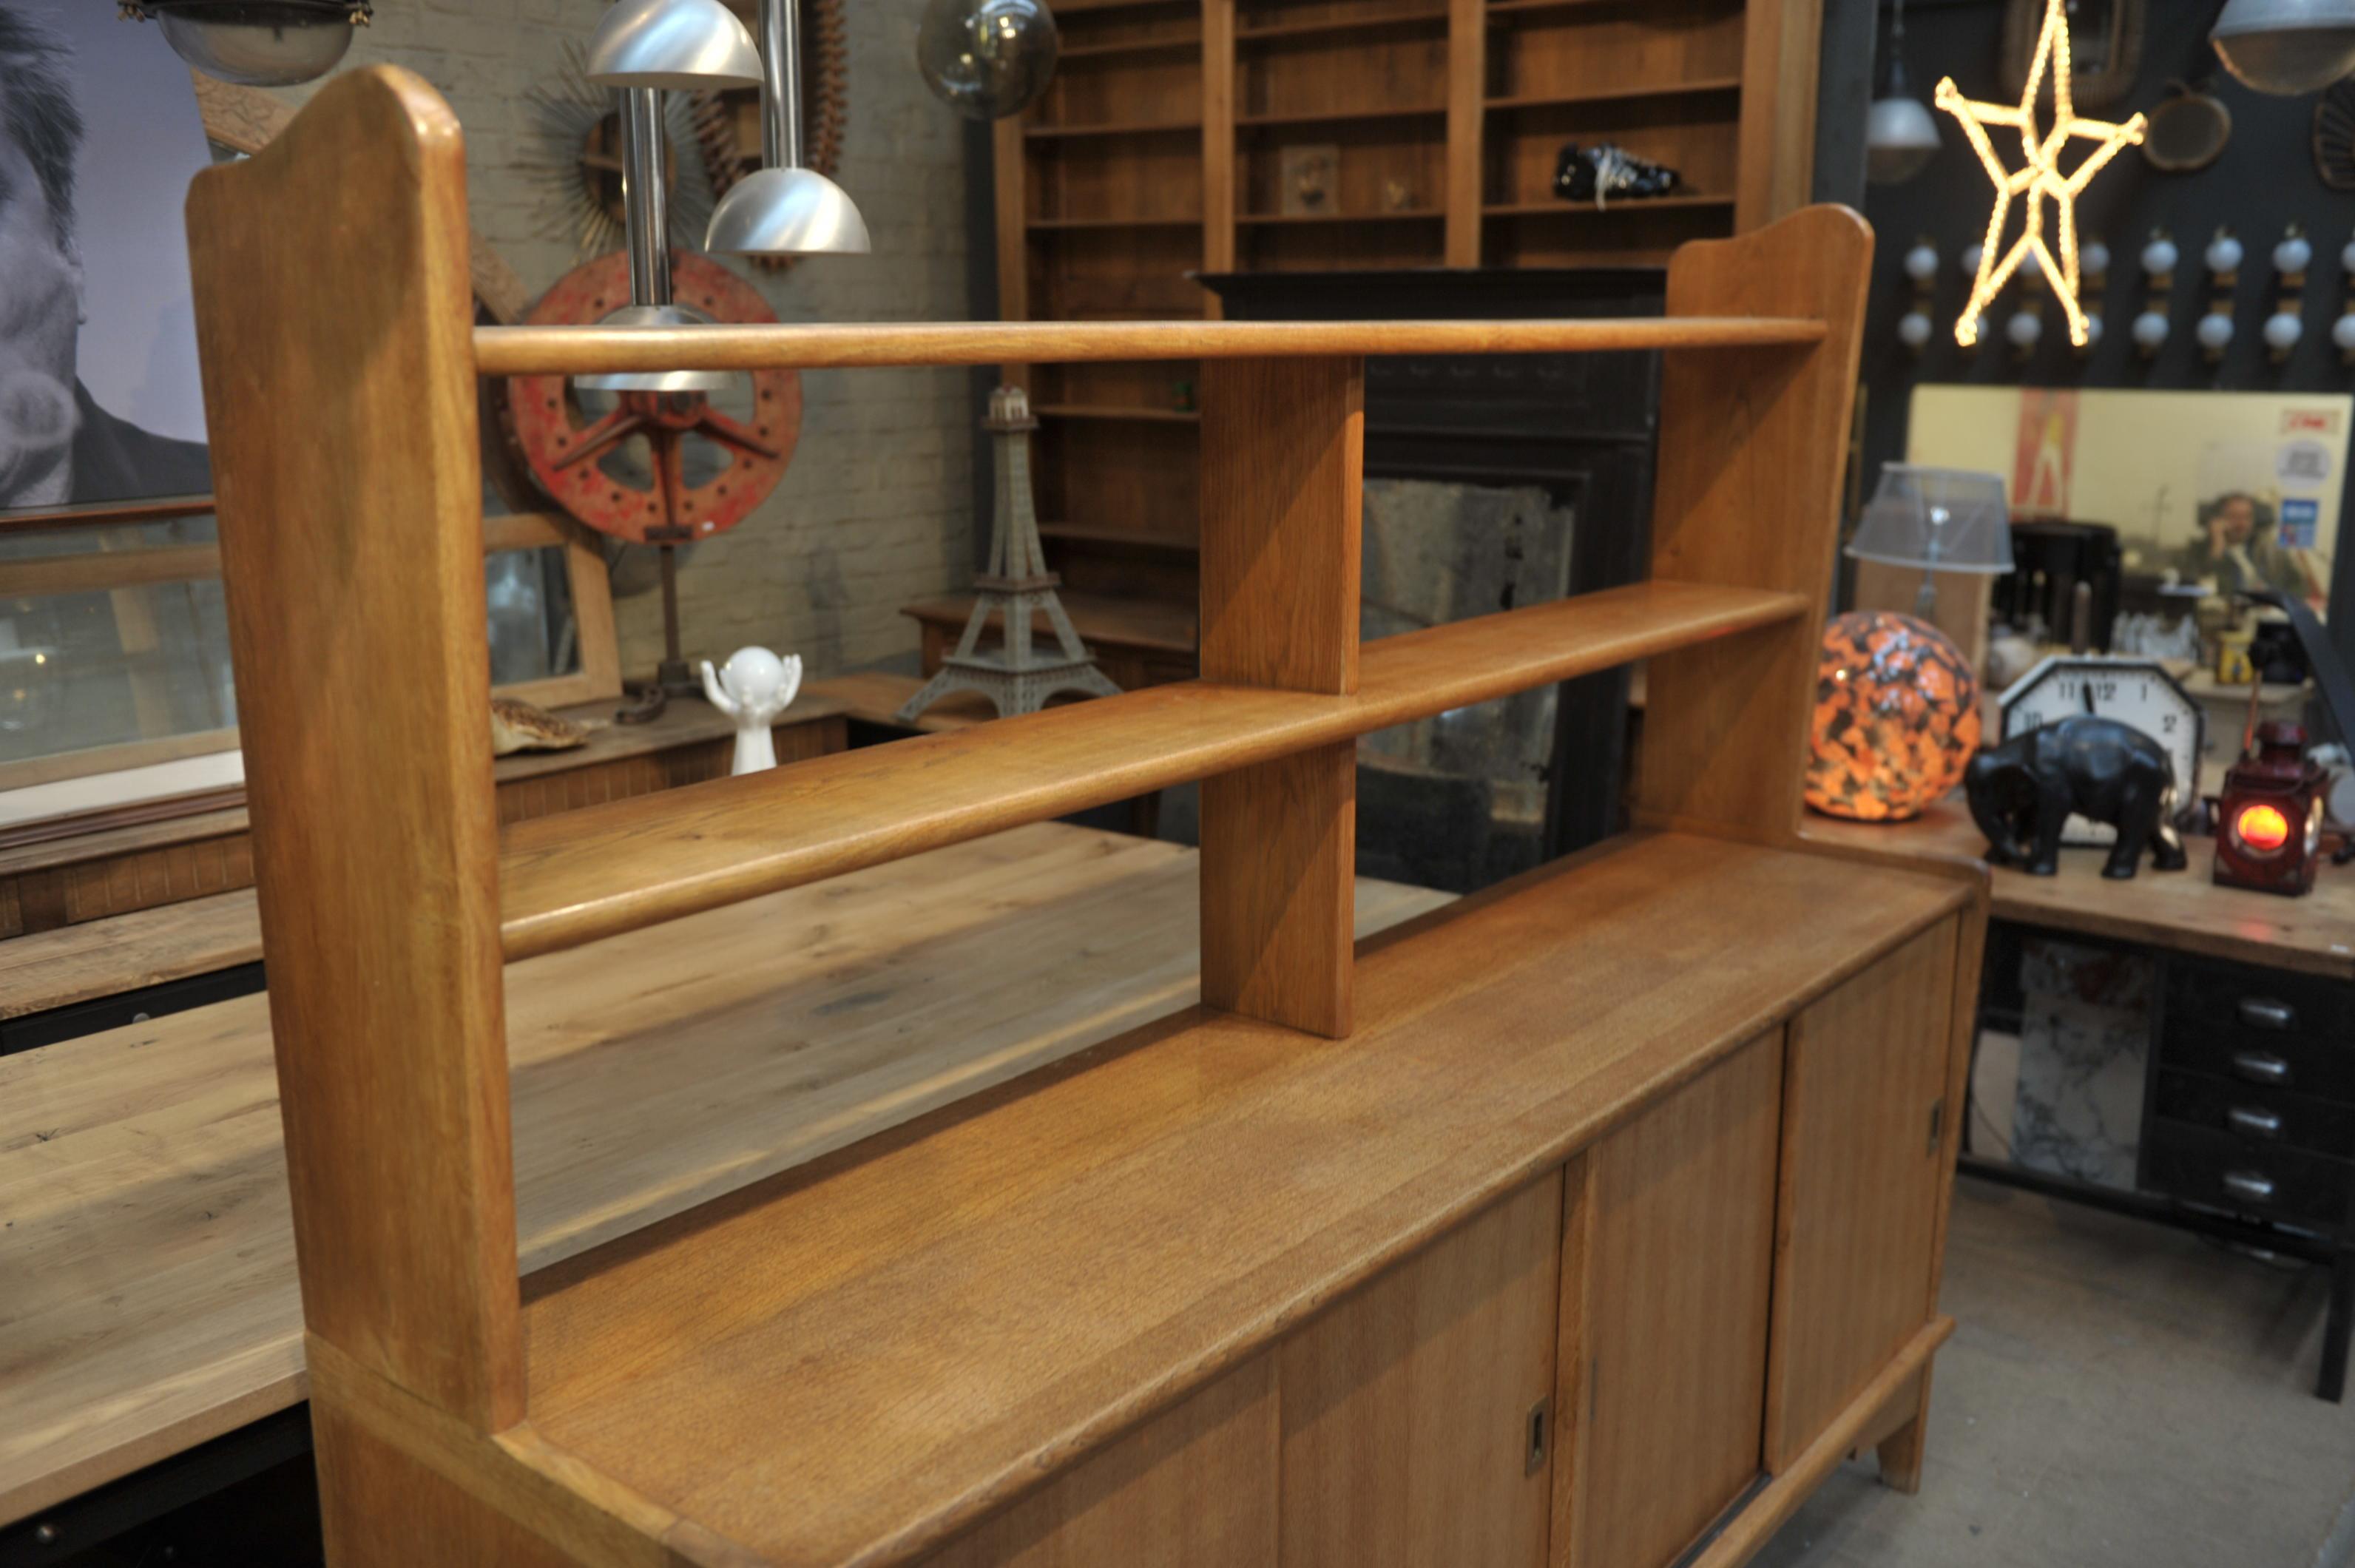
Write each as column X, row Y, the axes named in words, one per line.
column 1861, row 1179
column 1664, row 1330
column 2182, row 911
column 1062, row 1258
column 1753, row 449
column 375, row 823
column 1283, row 451
column 1406, row 1407
column 617, row 868
column 576, row 350
column 1195, row 1485
column 147, row 1291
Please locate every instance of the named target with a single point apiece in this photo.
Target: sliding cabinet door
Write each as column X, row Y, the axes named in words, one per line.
column 1670, row 1228
column 1863, row 1109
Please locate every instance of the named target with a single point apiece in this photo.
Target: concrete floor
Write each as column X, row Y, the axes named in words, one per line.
column 2115, row 1393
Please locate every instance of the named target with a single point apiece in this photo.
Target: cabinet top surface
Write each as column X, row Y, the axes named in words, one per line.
column 575, row 350
column 2183, row 912
column 913, row 1329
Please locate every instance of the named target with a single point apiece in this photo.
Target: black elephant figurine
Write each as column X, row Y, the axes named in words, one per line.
column 2022, row 790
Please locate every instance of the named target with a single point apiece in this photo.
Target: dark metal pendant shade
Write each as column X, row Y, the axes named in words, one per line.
column 2286, row 47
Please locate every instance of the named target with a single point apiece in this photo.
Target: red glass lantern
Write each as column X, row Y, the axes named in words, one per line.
column 2269, row 819
column 1897, row 717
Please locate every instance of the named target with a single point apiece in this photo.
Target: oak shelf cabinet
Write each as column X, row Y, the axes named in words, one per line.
column 1160, row 152
column 1588, row 1221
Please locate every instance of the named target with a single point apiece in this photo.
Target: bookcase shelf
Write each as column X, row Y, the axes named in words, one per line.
column 1439, row 125
column 953, row 1335
column 1342, row 28
column 605, row 870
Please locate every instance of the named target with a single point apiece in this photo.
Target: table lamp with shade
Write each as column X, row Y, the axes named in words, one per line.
column 1939, row 519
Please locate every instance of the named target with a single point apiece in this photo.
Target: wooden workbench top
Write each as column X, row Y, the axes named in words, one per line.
column 147, row 1292
column 2184, row 911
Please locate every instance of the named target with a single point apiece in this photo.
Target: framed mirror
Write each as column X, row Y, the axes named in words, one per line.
column 2106, row 39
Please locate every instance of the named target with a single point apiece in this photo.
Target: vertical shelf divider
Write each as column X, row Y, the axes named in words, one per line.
column 1218, row 144
column 1283, row 453
column 1468, row 78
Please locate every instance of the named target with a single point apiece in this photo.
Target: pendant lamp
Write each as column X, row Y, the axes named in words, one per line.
column 783, row 208
column 642, row 48
column 2286, row 47
column 680, row 45
column 1901, row 135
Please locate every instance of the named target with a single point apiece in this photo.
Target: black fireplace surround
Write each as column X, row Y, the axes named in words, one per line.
column 1583, row 425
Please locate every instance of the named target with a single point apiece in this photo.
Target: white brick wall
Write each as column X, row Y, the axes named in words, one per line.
column 876, row 508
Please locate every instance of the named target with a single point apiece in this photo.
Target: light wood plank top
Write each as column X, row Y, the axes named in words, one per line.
column 96, row 958
column 848, row 1363
column 612, row 868
column 575, row 351
column 147, row 1292
column 2183, row 910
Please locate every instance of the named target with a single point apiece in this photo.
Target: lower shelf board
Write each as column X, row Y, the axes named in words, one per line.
column 855, row 1359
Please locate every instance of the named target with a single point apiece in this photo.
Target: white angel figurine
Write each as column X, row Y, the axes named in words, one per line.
column 753, row 688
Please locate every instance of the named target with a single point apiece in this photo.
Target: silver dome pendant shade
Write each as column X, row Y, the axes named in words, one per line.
column 783, row 208
column 2286, row 47
column 645, row 206
column 678, row 45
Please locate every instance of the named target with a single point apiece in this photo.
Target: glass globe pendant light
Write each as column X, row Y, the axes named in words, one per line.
column 1900, row 136
column 256, row 43
column 644, row 46
column 987, row 59
column 2286, row 47
column 783, row 208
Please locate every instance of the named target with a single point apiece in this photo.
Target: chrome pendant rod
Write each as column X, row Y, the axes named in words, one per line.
column 780, row 23
column 646, row 204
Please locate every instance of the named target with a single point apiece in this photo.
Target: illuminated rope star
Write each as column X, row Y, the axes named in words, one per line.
column 2040, row 181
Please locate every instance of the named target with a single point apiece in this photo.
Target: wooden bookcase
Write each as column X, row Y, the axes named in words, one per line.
column 1159, row 151
column 1549, row 1228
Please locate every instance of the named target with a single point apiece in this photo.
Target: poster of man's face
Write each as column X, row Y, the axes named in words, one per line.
column 98, row 138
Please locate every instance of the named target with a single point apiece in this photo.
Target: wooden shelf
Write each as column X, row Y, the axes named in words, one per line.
column 1162, row 627
column 1108, row 412
column 1195, row 222
column 580, row 350
column 1619, row 94
column 1174, row 43
column 1525, row 10
column 609, row 868
column 1342, row 116
column 1412, row 215
column 977, row 1250
column 1113, row 128
column 1126, row 540
column 1586, row 210
column 1310, row 30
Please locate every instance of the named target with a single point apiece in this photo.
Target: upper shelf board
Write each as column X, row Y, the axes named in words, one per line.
column 581, row 350
column 617, row 867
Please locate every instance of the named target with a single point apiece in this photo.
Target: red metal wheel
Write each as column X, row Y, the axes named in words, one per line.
column 654, row 467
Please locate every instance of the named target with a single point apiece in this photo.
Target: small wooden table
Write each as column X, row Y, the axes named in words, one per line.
column 147, row 1289
column 2248, row 1119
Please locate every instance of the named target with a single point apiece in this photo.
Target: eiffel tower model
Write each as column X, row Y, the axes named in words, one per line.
column 1018, row 677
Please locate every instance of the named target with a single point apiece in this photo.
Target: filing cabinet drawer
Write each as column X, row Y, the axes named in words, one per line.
column 2309, row 1064
column 2262, row 1001
column 2259, row 1114
column 2246, row 1176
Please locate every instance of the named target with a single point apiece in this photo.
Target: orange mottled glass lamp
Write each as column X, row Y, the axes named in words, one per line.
column 1897, row 718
